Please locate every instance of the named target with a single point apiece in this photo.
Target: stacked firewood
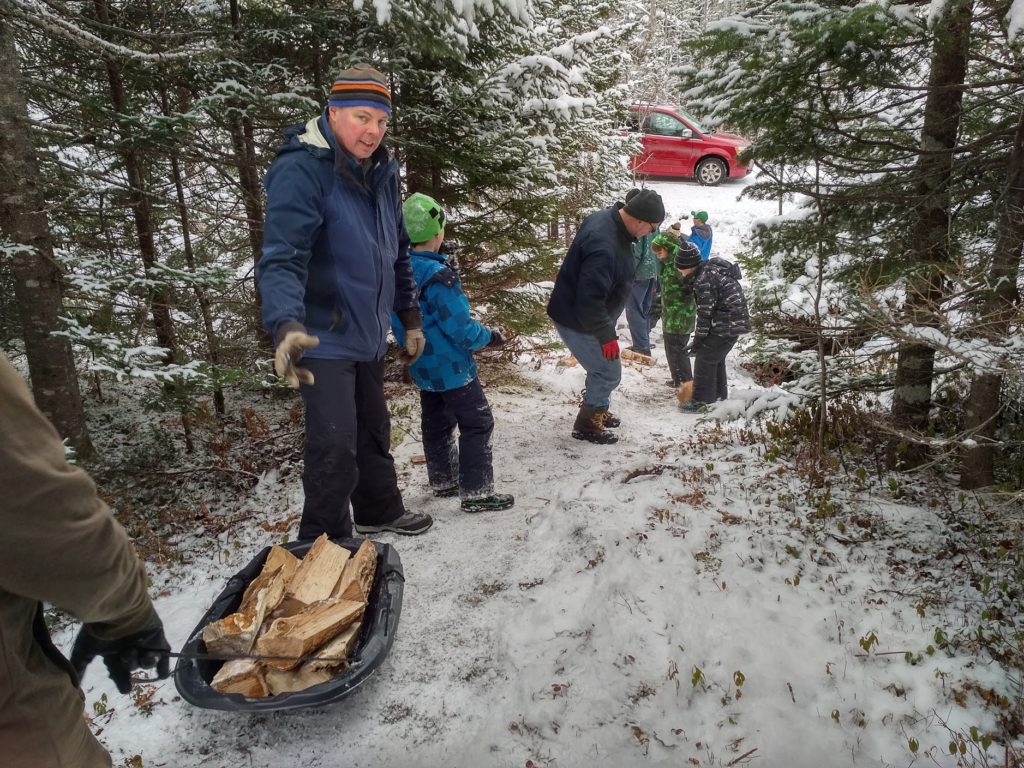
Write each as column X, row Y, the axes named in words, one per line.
column 298, row 622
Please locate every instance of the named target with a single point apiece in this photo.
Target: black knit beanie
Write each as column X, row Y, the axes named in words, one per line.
column 687, row 256
column 646, row 205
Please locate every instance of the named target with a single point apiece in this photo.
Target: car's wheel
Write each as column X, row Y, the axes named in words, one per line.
column 710, row 171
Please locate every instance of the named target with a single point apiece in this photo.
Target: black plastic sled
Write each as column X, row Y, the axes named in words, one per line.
column 192, row 676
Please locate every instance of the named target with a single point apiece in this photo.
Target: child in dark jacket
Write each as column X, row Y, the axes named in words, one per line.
column 722, row 317
column 446, row 374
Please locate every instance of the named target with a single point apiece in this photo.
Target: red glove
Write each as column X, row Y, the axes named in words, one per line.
column 611, row 350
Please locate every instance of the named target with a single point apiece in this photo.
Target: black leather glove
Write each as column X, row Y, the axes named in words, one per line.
column 695, row 347
column 497, row 338
column 146, row 648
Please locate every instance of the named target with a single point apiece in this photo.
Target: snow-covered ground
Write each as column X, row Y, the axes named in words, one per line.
column 654, row 602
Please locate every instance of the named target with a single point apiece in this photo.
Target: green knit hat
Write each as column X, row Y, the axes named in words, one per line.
column 424, row 217
column 702, row 215
column 668, row 240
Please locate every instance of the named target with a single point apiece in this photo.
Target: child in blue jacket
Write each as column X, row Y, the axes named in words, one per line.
column 446, row 374
column 700, row 234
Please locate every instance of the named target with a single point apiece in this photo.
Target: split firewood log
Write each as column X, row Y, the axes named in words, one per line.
column 316, row 577
column 281, row 557
column 636, row 357
column 331, row 657
column 357, row 578
column 236, row 633
column 292, row 637
column 290, row 680
column 244, row 676
column 334, row 654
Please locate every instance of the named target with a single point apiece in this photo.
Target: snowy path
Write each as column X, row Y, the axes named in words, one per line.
column 652, row 602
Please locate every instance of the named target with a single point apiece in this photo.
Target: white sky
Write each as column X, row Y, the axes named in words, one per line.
column 566, row 631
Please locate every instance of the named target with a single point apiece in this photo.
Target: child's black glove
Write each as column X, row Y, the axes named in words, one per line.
column 497, row 338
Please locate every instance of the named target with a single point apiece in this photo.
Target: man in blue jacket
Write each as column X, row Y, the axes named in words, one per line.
column 335, row 264
column 589, row 295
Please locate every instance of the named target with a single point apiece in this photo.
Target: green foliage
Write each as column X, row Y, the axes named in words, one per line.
column 100, row 705
column 834, row 97
column 507, row 119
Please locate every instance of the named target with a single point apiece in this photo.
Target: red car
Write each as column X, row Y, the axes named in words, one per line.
column 675, row 144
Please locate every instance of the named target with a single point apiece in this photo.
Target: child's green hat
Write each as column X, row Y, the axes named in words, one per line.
column 668, row 240
column 702, row 215
column 424, row 217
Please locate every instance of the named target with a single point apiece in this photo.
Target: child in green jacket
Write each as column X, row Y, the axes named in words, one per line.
column 679, row 310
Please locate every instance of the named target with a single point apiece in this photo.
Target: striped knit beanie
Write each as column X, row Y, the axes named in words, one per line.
column 361, row 87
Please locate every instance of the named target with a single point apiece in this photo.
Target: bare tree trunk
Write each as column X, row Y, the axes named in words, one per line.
column 162, row 299
column 819, row 322
column 37, row 278
column 977, row 461
column 244, row 145
column 212, row 348
column 929, row 232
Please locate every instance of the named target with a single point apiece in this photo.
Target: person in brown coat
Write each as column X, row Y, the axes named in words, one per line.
column 60, row 545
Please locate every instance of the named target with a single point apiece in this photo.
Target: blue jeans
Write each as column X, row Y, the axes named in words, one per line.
column 603, row 376
column 466, row 463
column 638, row 314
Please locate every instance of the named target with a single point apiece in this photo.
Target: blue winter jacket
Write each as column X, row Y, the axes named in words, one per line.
column 596, row 277
column 451, row 332
column 700, row 235
column 335, row 251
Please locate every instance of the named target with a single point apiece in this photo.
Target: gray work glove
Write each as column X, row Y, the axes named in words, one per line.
column 415, row 342
column 289, row 350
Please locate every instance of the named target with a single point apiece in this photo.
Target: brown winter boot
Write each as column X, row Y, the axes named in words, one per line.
column 608, row 419
column 589, row 426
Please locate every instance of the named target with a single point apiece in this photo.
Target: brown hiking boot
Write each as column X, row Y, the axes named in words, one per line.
column 589, row 426
column 608, row 419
